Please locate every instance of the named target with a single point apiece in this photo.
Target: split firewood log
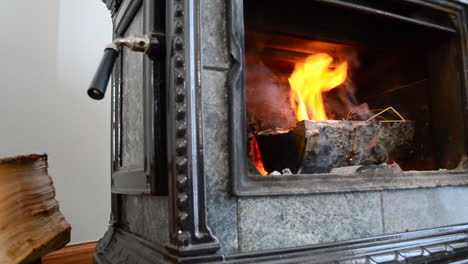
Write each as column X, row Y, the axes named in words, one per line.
column 31, row 224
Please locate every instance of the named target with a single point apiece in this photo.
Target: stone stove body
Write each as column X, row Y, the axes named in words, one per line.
column 182, row 188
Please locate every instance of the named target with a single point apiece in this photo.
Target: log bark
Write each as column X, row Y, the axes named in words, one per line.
column 319, row 146
column 31, row 224
column 331, row 144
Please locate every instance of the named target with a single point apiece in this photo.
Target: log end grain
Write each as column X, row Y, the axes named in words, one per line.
column 31, row 224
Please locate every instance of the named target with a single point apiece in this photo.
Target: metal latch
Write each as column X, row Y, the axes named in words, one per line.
column 146, row 44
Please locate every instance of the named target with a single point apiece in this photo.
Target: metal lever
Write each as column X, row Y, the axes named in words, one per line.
column 98, row 86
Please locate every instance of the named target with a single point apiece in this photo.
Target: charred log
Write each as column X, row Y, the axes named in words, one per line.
column 279, row 151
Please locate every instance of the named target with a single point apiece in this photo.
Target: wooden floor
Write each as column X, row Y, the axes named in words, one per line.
column 74, row 254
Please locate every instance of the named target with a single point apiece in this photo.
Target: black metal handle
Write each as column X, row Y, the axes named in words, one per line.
column 98, row 86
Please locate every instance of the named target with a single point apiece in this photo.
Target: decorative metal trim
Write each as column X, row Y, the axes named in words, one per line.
column 336, row 183
column 246, row 183
column 237, row 105
column 461, row 23
column 439, row 245
column 112, row 5
column 116, row 117
column 189, row 233
column 154, row 69
column 125, row 14
column 427, row 246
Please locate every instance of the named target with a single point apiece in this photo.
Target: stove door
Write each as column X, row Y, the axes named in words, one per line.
column 138, row 127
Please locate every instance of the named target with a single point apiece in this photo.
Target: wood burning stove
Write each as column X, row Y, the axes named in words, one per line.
column 363, row 58
column 302, row 131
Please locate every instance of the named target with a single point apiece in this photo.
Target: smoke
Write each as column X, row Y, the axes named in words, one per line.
column 342, row 104
column 267, row 97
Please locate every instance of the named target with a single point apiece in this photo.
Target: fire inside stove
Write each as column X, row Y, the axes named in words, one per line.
column 317, row 74
column 313, row 118
column 322, row 101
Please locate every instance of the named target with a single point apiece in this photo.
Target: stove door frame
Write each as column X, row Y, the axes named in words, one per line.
column 247, row 183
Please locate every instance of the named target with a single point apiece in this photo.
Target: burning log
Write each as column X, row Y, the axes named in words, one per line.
column 319, row 146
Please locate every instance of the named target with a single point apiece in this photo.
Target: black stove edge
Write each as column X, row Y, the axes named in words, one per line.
column 439, row 245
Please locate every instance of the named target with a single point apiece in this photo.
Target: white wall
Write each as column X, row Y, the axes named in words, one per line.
column 48, row 53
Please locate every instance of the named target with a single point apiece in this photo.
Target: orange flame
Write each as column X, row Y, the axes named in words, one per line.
column 309, row 80
column 256, row 156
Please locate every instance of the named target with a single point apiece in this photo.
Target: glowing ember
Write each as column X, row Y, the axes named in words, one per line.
column 309, row 80
column 256, row 156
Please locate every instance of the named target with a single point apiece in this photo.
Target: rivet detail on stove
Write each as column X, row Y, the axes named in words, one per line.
column 180, row 95
column 181, row 181
column 180, row 111
column 179, row 44
column 179, row 12
column 179, row 29
column 181, row 146
column 179, row 67
column 183, row 237
column 179, row 62
column 182, row 200
column 180, row 79
column 183, row 216
column 181, row 128
column 181, row 163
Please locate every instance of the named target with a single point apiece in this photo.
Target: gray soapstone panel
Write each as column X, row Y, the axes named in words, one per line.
column 280, row 222
column 221, row 208
column 409, row 210
column 132, row 100
column 213, row 33
column 147, row 217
